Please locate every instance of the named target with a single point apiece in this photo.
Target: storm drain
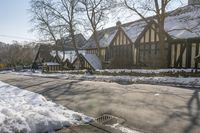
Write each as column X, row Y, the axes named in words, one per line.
column 109, row 119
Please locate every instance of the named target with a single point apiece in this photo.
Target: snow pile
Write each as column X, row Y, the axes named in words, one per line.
column 176, row 81
column 144, row 70
column 127, row 130
column 4, row 72
column 28, row 112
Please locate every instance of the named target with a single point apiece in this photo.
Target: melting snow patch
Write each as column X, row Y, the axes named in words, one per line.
column 122, row 128
column 28, row 112
column 127, row 130
column 157, row 94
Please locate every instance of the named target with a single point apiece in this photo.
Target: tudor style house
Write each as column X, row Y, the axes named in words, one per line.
column 135, row 44
column 117, row 44
column 46, row 52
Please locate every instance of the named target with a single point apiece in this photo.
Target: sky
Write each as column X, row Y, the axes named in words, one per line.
column 15, row 20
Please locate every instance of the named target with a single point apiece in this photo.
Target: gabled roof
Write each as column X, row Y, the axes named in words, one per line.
column 105, row 36
column 44, row 50
column 182, row 23
column 66, row 42
column 69, row 56
column 134, row 30
column 93, row 60
column 43, row 53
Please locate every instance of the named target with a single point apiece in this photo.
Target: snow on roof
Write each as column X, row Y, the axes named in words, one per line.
column 93, row 60
column 51, row 64
column 71, row 56
column 184, row 22
column 134, row 30
column 104, row 36
column 107, row 38
column 67, row 55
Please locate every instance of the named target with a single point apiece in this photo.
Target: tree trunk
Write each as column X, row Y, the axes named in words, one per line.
column 56, row 45
column 97, row 43
column 161, row 32
column 75, row 47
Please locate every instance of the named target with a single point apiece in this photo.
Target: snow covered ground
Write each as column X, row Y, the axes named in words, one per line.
column 176, row 81
column 29, row 112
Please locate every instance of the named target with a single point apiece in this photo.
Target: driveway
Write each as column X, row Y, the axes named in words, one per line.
column 147, row 108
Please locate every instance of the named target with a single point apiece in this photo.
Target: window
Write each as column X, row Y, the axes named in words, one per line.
column 141, row 56
column 153, row 47
column 166, row 46
column 149, row 48
column 142, row 47
column 157, row 49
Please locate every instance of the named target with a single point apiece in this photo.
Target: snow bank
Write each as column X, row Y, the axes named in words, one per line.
column 176, row 81
column 144, row 70
column 4, row 72
column 29, row 112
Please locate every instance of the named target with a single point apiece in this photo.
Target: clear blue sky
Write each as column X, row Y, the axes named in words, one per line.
column 15, row 20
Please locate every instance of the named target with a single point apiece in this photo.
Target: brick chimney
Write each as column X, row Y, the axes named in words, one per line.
column 193, row 2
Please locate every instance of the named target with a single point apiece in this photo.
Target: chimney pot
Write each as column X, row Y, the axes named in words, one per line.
column 118, row 23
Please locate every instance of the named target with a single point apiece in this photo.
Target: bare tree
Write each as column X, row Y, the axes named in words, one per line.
column 157, row 8
column 45, row 23
column 65, row 11
column 96, row 14
column 16, row 54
